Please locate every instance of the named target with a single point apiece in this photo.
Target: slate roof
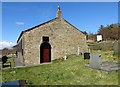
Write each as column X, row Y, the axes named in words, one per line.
column 43, row 24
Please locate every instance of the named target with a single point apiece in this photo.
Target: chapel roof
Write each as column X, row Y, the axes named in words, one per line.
column 58, row 16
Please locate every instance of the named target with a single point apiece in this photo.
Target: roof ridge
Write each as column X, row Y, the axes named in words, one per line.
column 73, row 26
column 45, row 23
column 35, row 27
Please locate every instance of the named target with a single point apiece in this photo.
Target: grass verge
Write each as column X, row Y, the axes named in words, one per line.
column 68, row 72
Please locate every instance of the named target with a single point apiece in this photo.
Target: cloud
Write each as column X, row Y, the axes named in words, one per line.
column 20, row 23
column 5, row 44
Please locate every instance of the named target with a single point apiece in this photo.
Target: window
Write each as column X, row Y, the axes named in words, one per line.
column 45, row 39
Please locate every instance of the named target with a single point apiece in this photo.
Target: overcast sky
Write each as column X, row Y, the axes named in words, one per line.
column 86, row 16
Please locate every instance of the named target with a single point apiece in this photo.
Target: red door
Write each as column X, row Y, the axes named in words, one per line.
column 46, row 55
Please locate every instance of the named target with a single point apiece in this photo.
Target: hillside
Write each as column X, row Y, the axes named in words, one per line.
column 7, row 51
column 69, row 72
column 109, row 32
column 0, row 53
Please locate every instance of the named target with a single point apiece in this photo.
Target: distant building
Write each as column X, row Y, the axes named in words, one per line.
column 48, row 41
column 99, row 38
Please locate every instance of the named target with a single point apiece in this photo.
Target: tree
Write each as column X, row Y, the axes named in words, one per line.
column 101, row 26
column 110, row 32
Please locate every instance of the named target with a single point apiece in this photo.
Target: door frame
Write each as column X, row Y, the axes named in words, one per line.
column 42, row 47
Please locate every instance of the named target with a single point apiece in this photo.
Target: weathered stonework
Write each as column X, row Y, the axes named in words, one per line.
column 116, row 48
column 63, row 38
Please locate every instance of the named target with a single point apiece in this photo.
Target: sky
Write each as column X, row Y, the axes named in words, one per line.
column 86, row 16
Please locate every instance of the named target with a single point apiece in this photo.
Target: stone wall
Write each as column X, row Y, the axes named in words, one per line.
column 104, row 45
column 64, row 39
column 19, row 60
column 117, row 48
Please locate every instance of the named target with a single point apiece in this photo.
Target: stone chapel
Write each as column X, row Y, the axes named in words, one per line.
column 48, row 41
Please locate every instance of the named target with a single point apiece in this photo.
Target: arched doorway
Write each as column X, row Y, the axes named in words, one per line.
column 45, row 52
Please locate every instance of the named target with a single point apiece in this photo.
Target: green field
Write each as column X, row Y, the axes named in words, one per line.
column 68, row 72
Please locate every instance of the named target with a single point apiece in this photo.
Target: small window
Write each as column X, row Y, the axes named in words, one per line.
column 45, row 38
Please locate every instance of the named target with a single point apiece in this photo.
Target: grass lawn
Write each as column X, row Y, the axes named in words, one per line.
column 71, row 71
